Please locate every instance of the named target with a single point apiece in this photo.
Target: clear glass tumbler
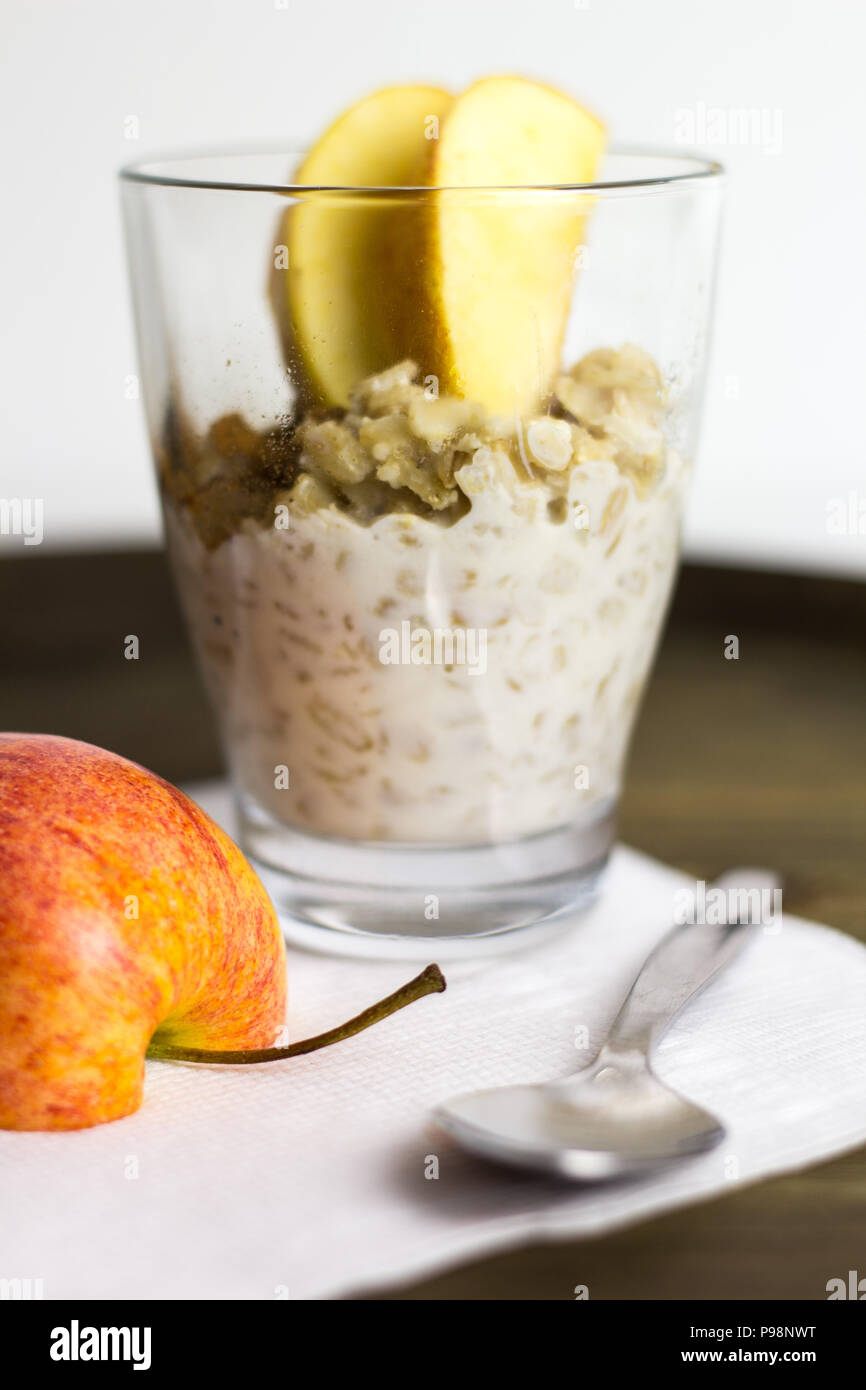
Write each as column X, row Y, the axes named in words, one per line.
column 423, row 455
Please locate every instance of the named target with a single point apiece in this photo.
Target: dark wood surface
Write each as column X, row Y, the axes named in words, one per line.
column 759, row 760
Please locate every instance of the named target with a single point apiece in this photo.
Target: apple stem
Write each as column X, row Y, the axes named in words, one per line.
column 430, row 981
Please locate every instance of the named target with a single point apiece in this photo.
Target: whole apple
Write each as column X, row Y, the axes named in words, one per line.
column 130, row 925
column 126, row 916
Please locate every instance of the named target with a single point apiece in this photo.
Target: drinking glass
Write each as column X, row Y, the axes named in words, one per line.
column 423, row 509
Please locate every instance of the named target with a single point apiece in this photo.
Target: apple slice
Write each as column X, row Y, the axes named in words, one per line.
column 495, row 269
column 332, row 300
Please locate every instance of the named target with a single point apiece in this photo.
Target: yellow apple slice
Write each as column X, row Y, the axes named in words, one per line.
column 332, row 299
column 495, row 269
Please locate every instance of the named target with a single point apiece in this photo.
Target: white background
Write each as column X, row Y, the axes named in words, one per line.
column 783, row 431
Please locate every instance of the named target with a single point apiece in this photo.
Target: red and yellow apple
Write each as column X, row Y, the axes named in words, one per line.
column 129, row 923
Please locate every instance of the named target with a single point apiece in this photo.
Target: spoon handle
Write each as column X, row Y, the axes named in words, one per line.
column 688, row 958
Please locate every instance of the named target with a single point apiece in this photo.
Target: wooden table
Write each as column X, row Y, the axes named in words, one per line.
column 760, row 759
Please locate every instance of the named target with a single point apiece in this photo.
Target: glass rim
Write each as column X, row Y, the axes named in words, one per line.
column 153, row 172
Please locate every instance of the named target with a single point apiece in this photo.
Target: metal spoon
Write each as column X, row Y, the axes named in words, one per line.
column 615, row 1117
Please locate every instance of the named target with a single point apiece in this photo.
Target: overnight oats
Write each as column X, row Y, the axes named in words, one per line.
column 426, row 589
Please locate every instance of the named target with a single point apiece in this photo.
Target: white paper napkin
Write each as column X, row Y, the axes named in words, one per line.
column 306, row 1179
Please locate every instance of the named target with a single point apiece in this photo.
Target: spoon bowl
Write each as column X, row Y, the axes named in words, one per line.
column 615, row 1116
column 600, row 1123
